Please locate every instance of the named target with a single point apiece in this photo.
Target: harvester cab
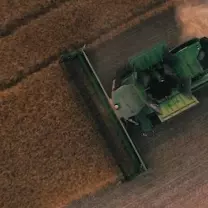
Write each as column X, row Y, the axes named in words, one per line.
column 160, row 82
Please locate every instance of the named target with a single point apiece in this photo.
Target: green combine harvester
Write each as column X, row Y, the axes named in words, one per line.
column 160, row 82
column 156, row 84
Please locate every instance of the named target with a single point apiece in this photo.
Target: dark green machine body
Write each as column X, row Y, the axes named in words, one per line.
column 131, row 98
column 160, row 82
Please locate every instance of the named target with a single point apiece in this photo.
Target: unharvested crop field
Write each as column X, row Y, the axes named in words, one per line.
column 50, row 150
column 36, row 44
column 196, row 24
column 15, row 12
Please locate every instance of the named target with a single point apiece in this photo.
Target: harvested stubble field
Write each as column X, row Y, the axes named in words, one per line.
column 51, row 152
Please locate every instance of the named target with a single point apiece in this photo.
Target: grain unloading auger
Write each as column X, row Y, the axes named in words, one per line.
column 155, row 83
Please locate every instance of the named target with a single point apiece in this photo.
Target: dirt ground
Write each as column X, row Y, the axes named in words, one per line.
column 51, row 152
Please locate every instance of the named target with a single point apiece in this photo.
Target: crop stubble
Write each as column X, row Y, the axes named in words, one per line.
column 50, row 149
column 13, row 11
column 68, row 25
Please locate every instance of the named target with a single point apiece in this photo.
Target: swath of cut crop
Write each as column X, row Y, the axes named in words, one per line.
column 193, row 19
column 51, row 152
column 69, row 25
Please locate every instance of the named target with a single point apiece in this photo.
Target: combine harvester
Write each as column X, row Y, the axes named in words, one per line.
column 155, row 85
